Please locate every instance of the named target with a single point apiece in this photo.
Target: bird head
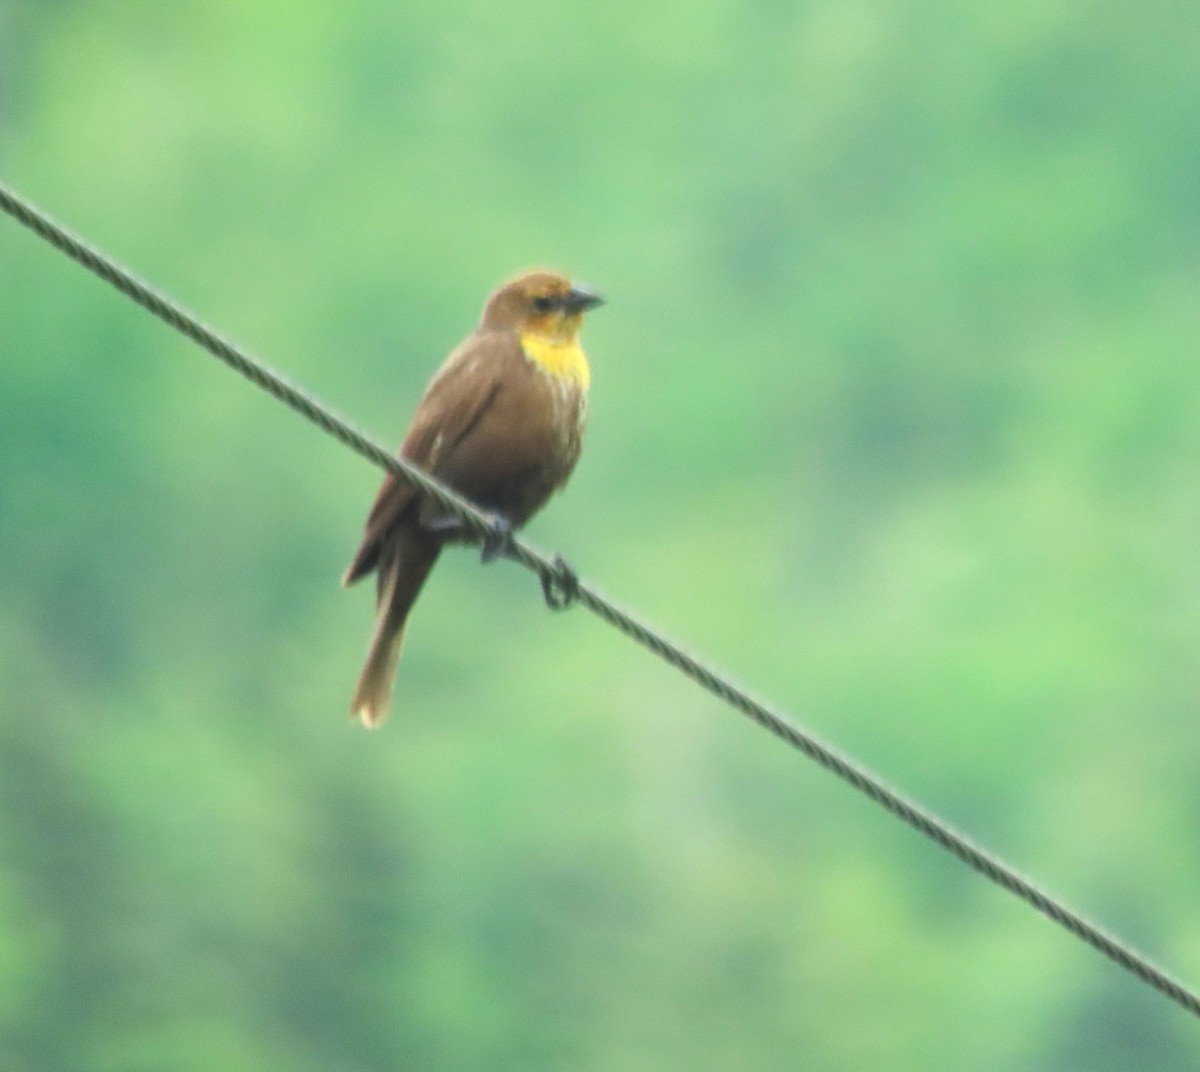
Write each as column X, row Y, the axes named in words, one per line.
column 545, row 304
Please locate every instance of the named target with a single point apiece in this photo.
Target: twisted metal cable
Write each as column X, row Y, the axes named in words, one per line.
column 562, row 587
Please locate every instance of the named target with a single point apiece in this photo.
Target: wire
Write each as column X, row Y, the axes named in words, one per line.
column 562, row 587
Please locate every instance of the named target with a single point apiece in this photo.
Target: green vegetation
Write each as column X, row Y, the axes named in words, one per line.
column 895, row 414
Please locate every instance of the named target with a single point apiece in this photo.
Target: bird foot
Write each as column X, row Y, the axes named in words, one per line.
column 497, row 542
column 560, row 585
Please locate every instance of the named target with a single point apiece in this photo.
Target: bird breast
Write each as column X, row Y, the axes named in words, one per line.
column 563, row 359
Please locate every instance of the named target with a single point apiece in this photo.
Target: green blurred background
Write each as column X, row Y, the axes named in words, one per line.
column 895, row 413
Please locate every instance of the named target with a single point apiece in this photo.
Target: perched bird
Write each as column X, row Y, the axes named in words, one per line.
column 501, row 423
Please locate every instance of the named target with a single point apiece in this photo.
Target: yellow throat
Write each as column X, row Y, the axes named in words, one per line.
column 563, row 358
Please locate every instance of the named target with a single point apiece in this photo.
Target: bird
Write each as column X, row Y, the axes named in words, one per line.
column 501, row 423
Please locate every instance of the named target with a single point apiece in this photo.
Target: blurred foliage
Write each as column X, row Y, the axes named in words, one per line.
column 896, row 412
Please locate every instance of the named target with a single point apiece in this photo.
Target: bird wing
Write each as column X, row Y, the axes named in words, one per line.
column 458, row 396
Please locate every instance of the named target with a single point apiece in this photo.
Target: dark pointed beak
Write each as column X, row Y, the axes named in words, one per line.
column 580, row 298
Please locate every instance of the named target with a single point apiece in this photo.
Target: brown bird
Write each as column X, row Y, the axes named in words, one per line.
column 501, row 423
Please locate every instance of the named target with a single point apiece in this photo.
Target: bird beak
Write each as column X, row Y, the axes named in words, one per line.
column 581, row 298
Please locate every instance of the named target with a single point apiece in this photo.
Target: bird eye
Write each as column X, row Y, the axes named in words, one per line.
column 543, row 303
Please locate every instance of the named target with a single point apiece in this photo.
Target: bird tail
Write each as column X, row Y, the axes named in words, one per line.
column 402, row 572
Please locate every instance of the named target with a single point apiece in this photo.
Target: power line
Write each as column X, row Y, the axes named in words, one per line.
column 562, row 587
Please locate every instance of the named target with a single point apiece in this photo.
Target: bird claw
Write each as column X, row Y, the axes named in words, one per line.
column 497, row 541
column 560, row 585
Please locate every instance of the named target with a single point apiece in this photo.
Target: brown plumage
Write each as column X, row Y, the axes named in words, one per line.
column 501, row 423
